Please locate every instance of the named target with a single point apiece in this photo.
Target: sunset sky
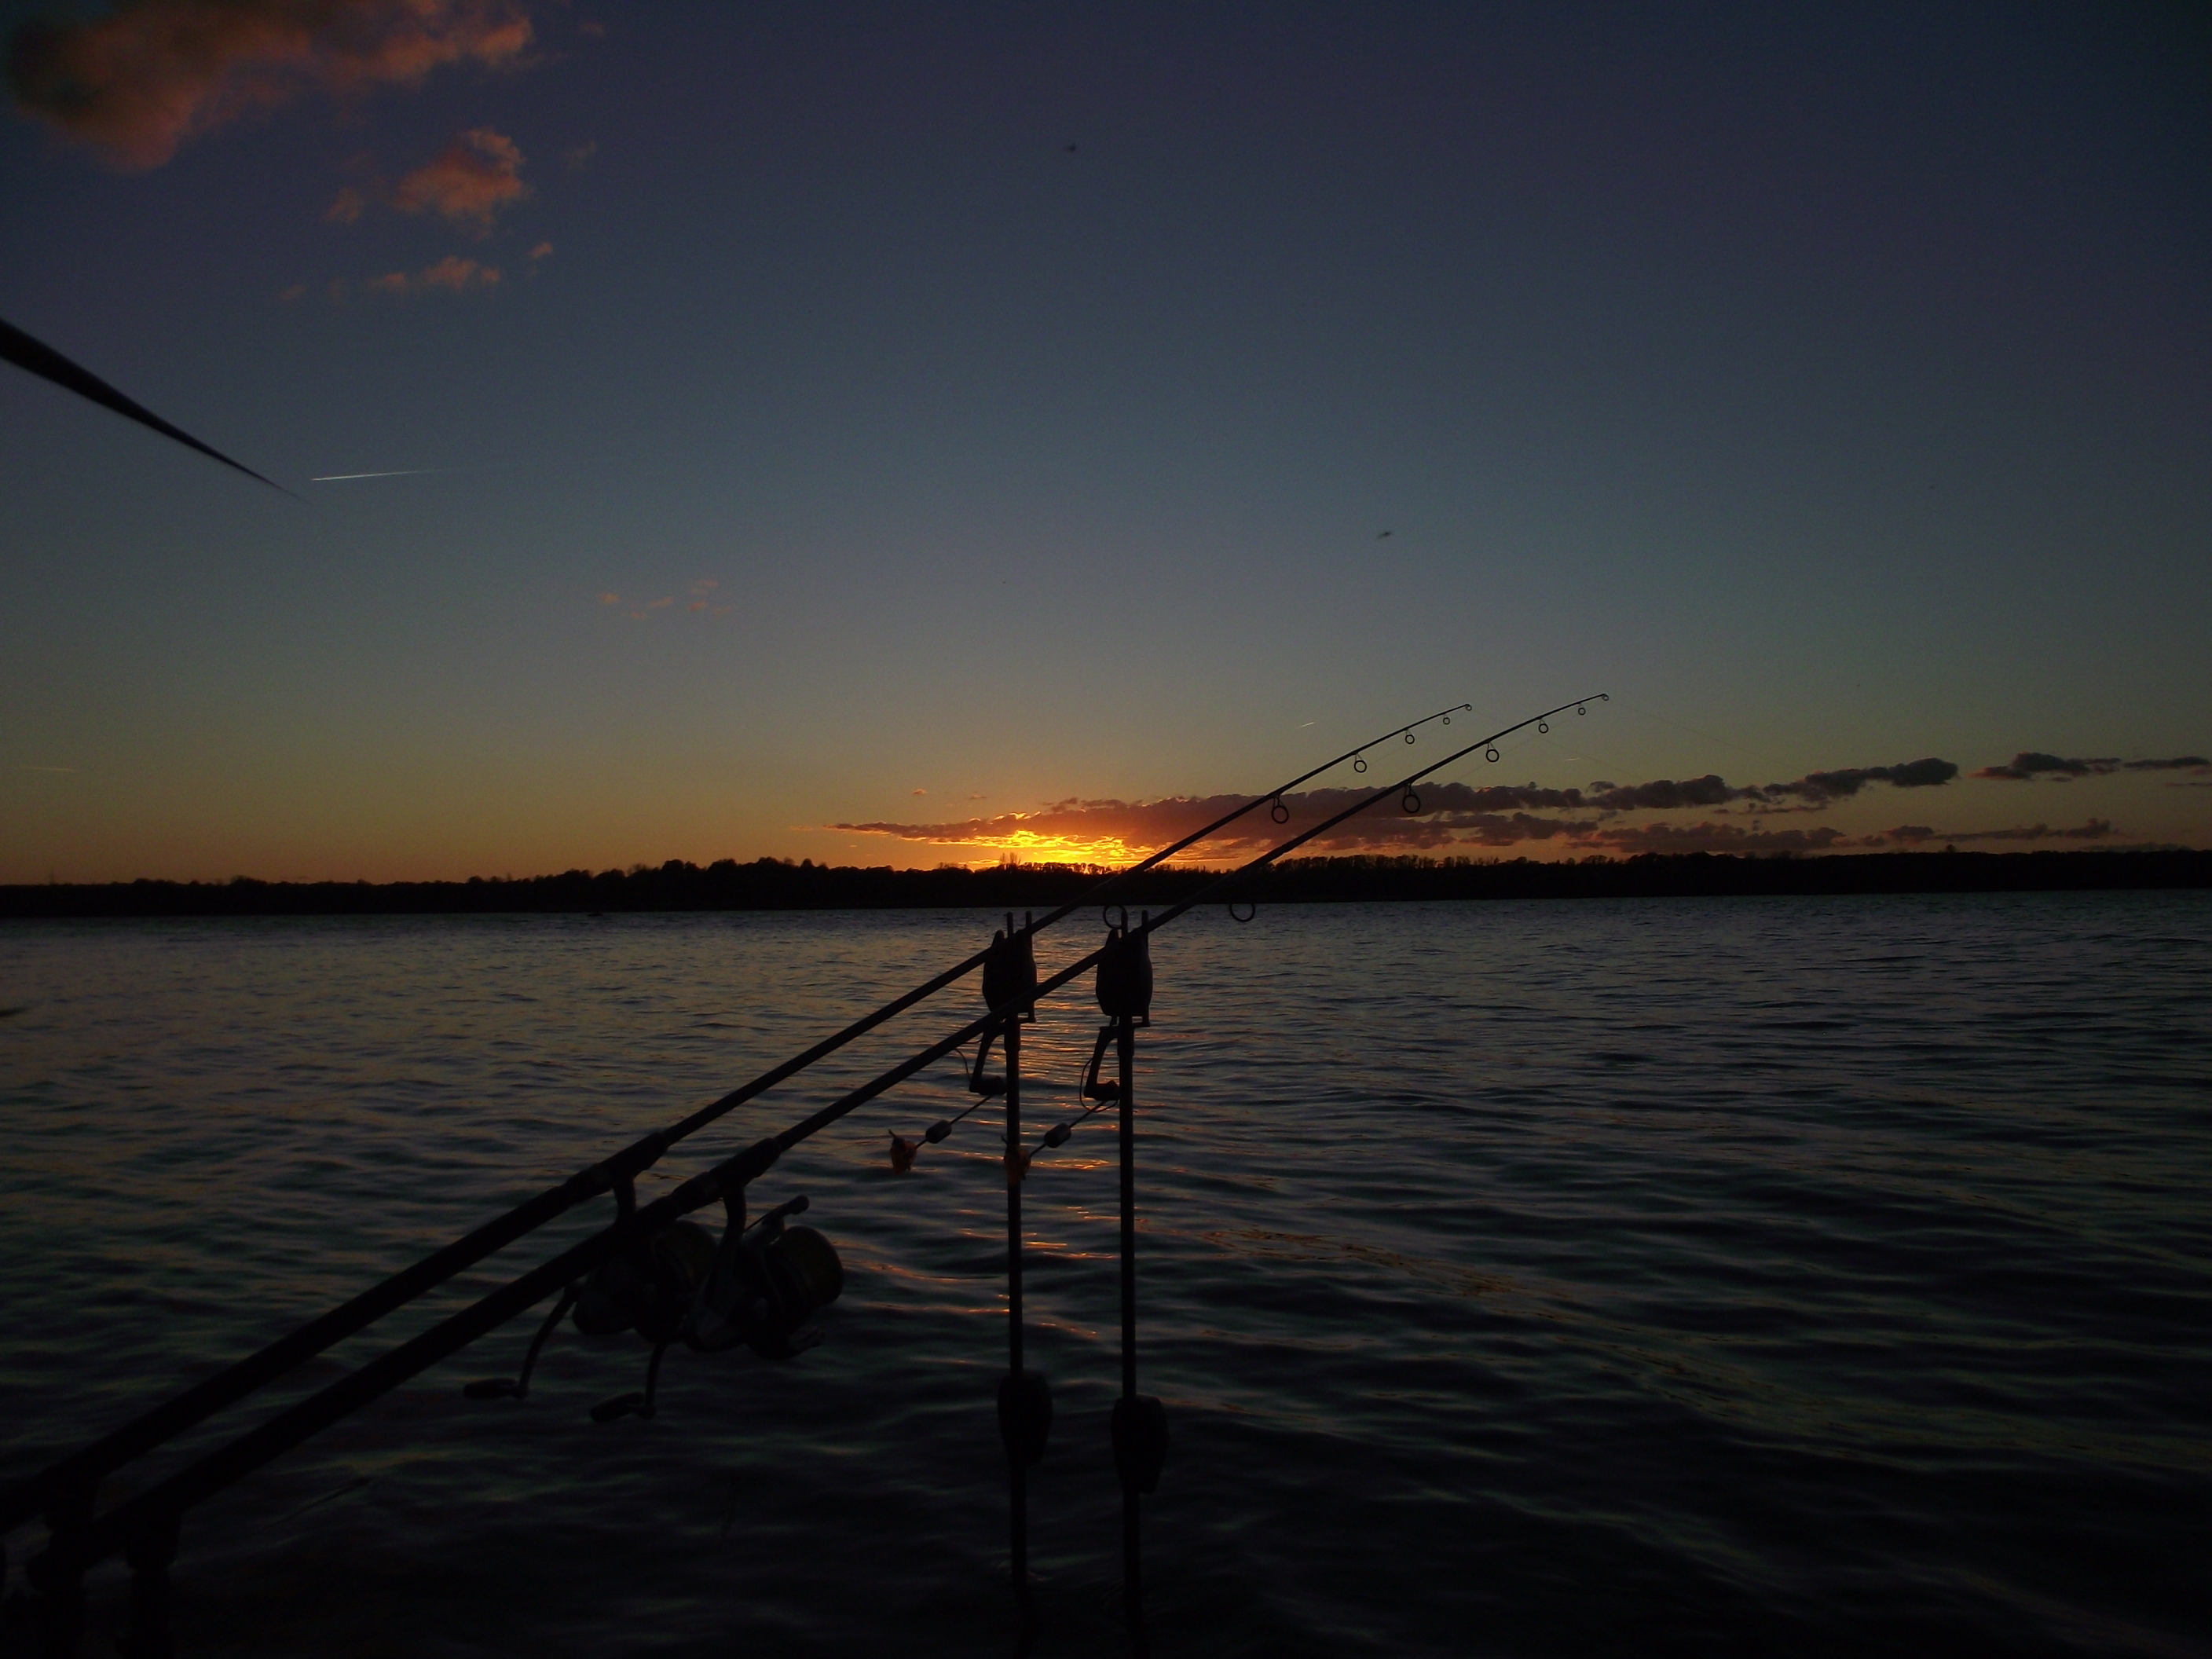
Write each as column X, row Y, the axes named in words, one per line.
column 914, row 434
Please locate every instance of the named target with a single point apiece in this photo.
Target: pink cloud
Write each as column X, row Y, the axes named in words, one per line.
column 138, row 82
column 475, row 176
column 346, row 208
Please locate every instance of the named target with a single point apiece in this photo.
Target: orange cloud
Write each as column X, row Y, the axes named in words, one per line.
column 346, row 208
column 477, row 174
column 1114, row 832
column 542, row 251
column 459, row 274
column 452, row 273
column 1079, row 831
column 140, row 81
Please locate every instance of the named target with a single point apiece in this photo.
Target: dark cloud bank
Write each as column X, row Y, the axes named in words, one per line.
column 1459, row 815
column 2033, row 763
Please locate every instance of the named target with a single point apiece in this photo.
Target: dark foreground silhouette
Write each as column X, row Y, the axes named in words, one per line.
column 779, row 884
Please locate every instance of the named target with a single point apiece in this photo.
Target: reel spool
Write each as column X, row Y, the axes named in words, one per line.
column 764, row 1289
column 760, row 1287
column 647, row 1286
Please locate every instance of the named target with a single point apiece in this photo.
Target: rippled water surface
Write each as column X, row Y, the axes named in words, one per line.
column 1798, row 1276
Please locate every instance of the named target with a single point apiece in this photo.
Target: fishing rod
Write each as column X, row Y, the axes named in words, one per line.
column 807, row 1127
column 146, row 1525
column 65, row 1482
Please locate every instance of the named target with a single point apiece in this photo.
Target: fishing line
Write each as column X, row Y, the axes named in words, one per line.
column 407, row 473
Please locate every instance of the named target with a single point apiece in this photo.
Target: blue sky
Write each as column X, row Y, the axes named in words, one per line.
column 1832, row 390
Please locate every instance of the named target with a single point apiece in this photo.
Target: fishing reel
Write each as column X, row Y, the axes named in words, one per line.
column 647, row 1285
column 758, row 1284
column 767, row 1281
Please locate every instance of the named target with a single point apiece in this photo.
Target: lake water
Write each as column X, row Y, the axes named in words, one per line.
column 1742, row 1276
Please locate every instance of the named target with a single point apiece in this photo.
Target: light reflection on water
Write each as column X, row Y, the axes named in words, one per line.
column 1731, row 1275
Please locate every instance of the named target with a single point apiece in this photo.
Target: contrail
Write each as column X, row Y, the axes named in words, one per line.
column 42, row 360
column 409, row 472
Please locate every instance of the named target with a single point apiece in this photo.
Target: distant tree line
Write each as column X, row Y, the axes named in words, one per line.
column 780, row 885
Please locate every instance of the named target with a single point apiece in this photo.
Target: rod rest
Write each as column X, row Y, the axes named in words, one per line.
column 1024, row 1416
column 1140, row 1441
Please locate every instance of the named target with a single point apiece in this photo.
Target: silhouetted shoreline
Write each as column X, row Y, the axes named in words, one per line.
column 778, row 885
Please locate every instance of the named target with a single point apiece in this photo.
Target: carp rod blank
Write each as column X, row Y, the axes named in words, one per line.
column 89, row 1463
column 156, row 1510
